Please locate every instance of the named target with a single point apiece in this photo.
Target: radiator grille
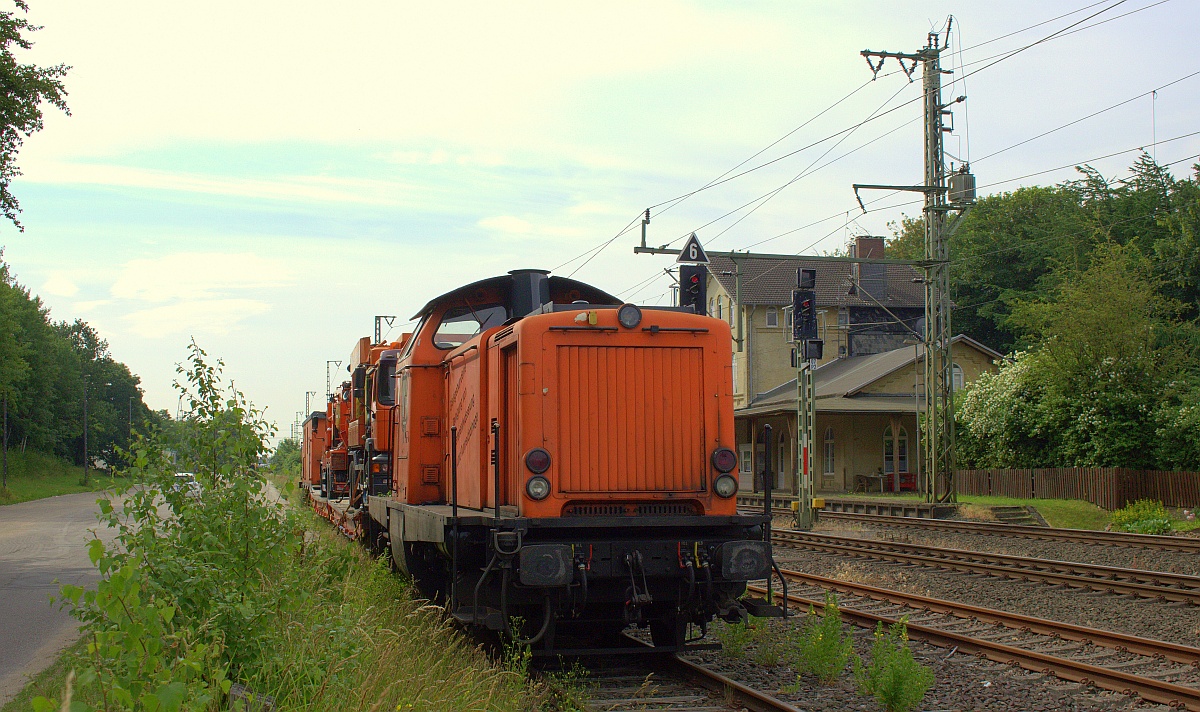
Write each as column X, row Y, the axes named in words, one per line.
column 630, row 509
column 631, row 419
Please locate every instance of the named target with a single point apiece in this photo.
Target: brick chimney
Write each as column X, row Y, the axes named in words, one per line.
column 873, row 278
column 868, row 247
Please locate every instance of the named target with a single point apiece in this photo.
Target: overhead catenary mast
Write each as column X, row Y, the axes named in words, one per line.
column 944, row 192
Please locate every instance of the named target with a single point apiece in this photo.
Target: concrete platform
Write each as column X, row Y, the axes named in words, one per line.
column 859, row 505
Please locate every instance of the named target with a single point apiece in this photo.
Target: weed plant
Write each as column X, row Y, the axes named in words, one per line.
column 824, row 648
column 896, row 680
column 735, row 637
column 198, row 592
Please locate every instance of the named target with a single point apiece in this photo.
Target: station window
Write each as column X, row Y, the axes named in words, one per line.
column 957, row 377
column 829, row 443
column 897, row 445
column 719, row 308
column 772, row 316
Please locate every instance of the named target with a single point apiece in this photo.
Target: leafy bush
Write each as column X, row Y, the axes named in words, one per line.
column 1145, row 516
column 894, row 677
column 824, row 648
column 197, row 592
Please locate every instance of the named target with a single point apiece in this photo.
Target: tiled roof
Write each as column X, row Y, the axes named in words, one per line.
column 839, row 383
column 771, row 282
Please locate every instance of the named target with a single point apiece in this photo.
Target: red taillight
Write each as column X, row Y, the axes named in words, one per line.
column 724, row 459
column 537, row 460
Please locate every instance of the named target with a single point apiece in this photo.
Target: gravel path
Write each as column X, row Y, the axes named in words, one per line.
column 962, row 682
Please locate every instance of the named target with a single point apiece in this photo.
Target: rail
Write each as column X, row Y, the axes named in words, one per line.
column 1136, row 582
column 1085, row 536
column 1149, row 688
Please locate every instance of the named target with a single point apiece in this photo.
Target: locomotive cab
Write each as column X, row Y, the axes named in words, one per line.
column 567, row 460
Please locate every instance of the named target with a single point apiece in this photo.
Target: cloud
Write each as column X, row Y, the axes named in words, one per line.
column 506, row 223
column 197, row 276
column 60, row 285
column 210, row 316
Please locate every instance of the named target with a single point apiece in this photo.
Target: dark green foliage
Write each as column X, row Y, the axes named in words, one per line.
column 286, row 458
column 25, row 88
column 1095, row 284
column 44, row 366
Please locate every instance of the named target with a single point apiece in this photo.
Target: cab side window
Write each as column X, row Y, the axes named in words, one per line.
column 460, row 324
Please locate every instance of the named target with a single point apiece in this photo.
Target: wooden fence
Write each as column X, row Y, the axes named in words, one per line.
column 1107, row 487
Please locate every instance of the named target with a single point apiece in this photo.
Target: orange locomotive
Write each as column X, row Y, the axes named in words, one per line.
column 563, row 459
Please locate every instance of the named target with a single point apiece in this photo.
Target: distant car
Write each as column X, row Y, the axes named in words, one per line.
column 186, row 483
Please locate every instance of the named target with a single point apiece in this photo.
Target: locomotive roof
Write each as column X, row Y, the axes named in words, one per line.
column 559, row 287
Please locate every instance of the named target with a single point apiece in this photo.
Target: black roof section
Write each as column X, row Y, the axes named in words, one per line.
column 770, row 282
column 561, row 288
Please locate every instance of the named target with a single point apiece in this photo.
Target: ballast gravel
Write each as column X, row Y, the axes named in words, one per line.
column 962, row 682
column 1174, row 622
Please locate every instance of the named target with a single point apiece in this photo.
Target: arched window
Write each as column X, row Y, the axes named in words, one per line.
column 957, row 377
column 719, row 308
column 772, row 316
column 895, row 447
column 829, row 451
column 710, row 307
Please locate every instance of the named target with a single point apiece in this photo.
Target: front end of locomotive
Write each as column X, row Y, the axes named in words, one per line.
column 612, row 451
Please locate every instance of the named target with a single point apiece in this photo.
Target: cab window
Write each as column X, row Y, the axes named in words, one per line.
column 386, row 394
column 460, row 324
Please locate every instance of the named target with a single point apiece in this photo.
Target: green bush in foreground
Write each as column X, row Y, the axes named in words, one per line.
column 894, row 677
column 200, row 591
column 1145, row 516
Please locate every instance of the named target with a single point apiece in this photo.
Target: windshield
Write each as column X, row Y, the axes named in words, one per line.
column 459, row 324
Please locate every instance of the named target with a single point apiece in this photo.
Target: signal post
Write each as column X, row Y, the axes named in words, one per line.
column 808, row 351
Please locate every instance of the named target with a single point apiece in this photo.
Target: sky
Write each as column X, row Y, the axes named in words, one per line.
column 267, row 177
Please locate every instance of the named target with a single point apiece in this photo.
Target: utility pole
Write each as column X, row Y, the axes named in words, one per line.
column 328, row 387
column 379, row 321
column 85, row 431
column 5, row 441
column 939, row 382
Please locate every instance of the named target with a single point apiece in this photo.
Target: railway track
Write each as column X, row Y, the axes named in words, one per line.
column 1084, row 536
column 672, row 683
column 1157, row 671
column 1133, row 582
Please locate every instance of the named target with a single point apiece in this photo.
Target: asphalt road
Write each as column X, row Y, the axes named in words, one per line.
column 40, row 541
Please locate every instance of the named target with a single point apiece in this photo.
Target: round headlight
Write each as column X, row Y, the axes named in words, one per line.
column 629, row 316
column 724, row 459
column 725, row 486
column 539, row 487
column 537, row 460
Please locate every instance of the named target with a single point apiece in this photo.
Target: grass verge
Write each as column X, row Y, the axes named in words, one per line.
column 34, row 475
column 48, row 682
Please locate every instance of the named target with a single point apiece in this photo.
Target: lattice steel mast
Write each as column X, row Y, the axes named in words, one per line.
column 939, row 382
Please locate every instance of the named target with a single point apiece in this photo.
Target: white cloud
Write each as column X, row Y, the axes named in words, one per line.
column 197, row 276
column 213, row 316
column 60, row 285
column 506, row 223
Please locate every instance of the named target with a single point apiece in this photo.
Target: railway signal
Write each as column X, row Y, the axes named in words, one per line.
column 693, row 287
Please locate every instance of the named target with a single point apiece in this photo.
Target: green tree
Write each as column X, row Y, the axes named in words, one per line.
column 25, row 87
column 286, row 457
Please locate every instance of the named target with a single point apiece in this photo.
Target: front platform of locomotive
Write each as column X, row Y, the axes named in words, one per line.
column 609, row 439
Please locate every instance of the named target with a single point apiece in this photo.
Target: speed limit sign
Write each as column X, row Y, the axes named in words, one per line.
column 693, row 251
